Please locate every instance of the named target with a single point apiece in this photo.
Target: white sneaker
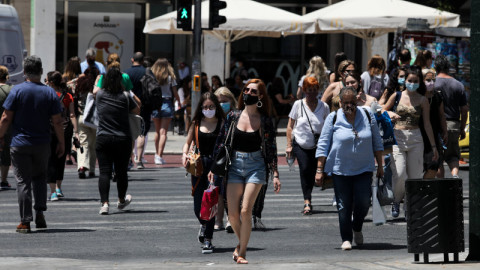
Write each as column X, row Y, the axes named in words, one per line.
column 346, row 245
column 104, row 209
column 358, row 238
column 128, row 200
column 162, row 161
column 157, row 160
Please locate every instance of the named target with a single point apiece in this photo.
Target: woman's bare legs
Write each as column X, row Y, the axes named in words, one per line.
column 240, row 217
column 161, row 129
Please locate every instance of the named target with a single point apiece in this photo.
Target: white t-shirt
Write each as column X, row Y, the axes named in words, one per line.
column 166, row 91
column 302, row 133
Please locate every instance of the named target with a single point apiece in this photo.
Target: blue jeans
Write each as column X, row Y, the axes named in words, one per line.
column 247, row 168
column 353, row 194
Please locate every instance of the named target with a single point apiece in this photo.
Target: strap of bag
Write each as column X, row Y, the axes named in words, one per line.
column 308, row 119
column 197, row 145
column 1, row 87
column 196, row 185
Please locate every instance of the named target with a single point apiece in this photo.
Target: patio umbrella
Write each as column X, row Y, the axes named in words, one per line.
column 244, row 18
column 368, row 19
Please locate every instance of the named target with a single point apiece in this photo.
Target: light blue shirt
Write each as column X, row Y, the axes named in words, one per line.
column 346, row 154
column 101, row 68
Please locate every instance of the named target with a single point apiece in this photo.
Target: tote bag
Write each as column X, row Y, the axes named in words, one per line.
column 90, row 114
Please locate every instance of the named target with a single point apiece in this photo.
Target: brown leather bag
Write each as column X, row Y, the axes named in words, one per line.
column 194, row 160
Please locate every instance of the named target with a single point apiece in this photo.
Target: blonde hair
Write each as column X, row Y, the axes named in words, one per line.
column 162, row 70
column 3, row 73
column 425, row 71
column 114, row 64
column 224, row 91
column 113, row 57
column 317, row 69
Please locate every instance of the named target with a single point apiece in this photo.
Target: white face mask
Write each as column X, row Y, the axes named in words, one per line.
column 208, row 113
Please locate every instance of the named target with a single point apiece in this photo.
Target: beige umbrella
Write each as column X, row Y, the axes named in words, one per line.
column 244, row 18
column 368, row 19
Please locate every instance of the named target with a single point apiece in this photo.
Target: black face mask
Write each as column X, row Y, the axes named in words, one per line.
column 249, row 99
column 91, row 61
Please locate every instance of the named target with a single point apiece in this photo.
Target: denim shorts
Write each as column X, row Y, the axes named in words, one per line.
column 166, row 111
column 247, row 168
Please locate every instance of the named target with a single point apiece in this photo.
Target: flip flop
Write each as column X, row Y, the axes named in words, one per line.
column 309, row 211
column 241, row 260
column 235, row 253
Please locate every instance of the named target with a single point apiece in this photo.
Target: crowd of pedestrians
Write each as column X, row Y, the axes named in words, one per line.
column 332, row 131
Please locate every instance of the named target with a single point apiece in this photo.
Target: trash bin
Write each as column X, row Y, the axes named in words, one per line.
column 434, row 217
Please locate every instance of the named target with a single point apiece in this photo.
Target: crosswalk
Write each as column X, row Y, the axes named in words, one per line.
column 160, row 220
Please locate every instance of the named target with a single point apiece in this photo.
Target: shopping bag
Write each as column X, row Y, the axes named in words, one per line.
column 90, row 115
column 209, row 206
column 378, row 215
column 384, row 193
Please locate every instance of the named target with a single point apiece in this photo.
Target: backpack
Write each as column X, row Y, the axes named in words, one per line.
column 377, row 86
column 151, row 91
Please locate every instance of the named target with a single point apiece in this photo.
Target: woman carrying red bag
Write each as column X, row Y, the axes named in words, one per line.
column 203, row 132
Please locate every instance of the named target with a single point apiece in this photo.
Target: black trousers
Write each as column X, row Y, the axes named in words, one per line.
column 198, row 195
column 307, row 165
column 113, row 152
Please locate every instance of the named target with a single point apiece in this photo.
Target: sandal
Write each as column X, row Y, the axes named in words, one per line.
column 235, row 253
column 241, row 260
column 309, row 211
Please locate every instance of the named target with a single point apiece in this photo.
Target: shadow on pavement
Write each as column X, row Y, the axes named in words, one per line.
column 133, row 211
column 230, row 250
column 380, row 246
column 63, row 231
column 315, row 212
column 142, row 179
column 79, row 200
column 268, row 229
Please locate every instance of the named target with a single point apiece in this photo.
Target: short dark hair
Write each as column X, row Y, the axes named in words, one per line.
column 33, row 66
column 345, row 90
column 138, row 57
column 405, row 57
column 442, row 65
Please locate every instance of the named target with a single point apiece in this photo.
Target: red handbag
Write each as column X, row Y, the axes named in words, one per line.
column 209, row 203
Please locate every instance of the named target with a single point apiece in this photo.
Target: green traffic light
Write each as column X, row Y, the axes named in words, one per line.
column 184, row 14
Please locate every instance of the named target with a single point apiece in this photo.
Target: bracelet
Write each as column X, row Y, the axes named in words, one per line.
column 434, row 146
column 276, row 176
column 319, row 170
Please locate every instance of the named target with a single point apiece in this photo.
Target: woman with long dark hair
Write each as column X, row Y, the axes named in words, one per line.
column 253, row 160
column 114, row 142
column 412, row 111
column 207, row 122
column 56, row 165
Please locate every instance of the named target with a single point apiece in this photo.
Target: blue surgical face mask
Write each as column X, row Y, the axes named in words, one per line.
column 225, row 106
column 401, row 81
column 412, row 87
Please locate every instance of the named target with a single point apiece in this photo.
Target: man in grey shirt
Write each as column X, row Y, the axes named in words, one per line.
column 456, row 113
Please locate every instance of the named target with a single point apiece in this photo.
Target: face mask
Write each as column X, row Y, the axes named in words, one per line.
column 208, row 113
column 237, row 64
column 430, row 86
column 249, row 99
column 401, row 81
column 225, row 106
column 349, row 108
column 412, row 87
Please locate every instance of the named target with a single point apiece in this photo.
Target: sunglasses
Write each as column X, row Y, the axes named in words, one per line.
column 211, row 107
column 251, row 90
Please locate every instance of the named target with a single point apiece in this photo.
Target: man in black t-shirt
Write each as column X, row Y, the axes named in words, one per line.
column 136, row 73
column 456, row 112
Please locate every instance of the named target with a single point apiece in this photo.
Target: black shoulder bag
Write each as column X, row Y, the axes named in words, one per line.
column 222, row 160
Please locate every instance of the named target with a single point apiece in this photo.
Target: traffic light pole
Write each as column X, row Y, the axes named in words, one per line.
column 196, row 65
column 474, row 178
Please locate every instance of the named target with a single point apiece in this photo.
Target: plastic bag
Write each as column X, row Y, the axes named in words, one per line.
column 209, row 206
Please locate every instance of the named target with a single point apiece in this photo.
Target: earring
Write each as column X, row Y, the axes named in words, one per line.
column 259, row 104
